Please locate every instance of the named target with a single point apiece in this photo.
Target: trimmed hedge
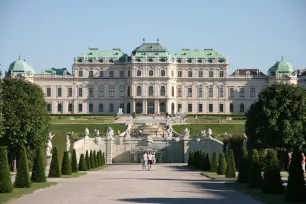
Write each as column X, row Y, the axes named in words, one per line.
column 74, row 163
column 82, row 163
column 22, row 179
column 244, row 167
column 6, row 185
column 87, row 160
column 214, row 163
column 236, row 144
column 231, row 168
column 103, row 159
column 55, row 170
column 92, row 160
column 255, row 178
column 95, row 159
column 38, row 170
column 222, row 165
column 207, row 162
column 66, row 164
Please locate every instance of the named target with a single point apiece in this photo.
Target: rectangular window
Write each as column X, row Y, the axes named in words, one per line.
column 90, row 74
column 200, row 92
column 121, row 73
column 189, row 73
column 241, row 92
column 59, row 107
column 221, row 108
column 200, row 108
column 200, row 73
column 211, row 92
column 129, row 73
column 90, row 90
column 101, row 74
column 210, row 108
column 59, row 92
column 69, row 92
column 231, row 107
column 221, row 74
column 101, row 108
column 179, row 107
column 179, row 92
column 190, row 108
column 80, row 73
column 111, row 73
column 253, row 93
column 49, row 109
column 121, row 91
column 70, row 107
column 231, row 92
column 101, row 91
column 111, row 91
column 211, row 74
column 221, row 94
column 80, row 107
column 179, row 74
column 80, row 92
column 111, row 107
column 189, row 92
column 48, row 92
column 122, row 106
column 90, row 107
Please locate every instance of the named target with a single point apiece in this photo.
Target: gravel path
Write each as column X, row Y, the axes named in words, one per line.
column 165, row 183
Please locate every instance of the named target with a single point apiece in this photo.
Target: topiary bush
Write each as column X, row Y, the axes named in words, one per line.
column 99, row 158
column 95, row 159
column 231, row 168
column 244, row 167
column 214, row 163
column 66, row 164
column 6, row 185
column 295, row 191
column 255, row 177
column 203, row 162
column 55, row 170
column 92, row 160
column 38, row 170
column 82, row 163
column 103, row 159
column 236, row 144
column 74, row 163
column 272, row 182
column 221, row 170
column 208, row 162
column 87, row 160
column 22, row 179
column 189, row 158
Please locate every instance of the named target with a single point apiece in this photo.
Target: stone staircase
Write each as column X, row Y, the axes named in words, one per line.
column 154, row 131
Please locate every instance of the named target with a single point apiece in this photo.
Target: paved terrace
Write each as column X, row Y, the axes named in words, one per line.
column 165, row 183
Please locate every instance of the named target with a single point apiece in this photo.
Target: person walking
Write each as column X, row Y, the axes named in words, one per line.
column 150, row 161
column 144, row 161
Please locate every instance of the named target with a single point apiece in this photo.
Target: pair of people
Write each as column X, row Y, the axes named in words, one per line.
column 147, row 160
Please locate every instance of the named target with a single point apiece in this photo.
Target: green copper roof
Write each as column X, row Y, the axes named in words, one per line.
column 150, row 49
column 281, row 67
column 21, row 66
column 95, row 52
column 206, row 53
column 56, row 71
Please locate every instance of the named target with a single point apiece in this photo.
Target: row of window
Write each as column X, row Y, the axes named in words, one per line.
column 221, row 92
column 211, row 108
column 80, row 107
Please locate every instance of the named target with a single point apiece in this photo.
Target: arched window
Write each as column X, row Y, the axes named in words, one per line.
column 162, row 91
column 138, row 73
column 162, row 73
column 241, row 108
column 172, row 91
column 151, row 73
column 128, row 91
column 151, row 91
column 138, row 90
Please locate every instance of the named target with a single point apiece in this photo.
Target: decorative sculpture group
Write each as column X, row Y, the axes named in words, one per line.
column 170, row 134
column 127, row 134
column 186, row 133
column 120, row 112
column 149, row 139
column 49, row 148
column 110, row 133
column 67, row 143
column 86, row 133
column 149, row 123
column 129, row 119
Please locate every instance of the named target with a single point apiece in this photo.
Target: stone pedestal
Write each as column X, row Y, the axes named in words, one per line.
column 186, row 150
column 109, row 151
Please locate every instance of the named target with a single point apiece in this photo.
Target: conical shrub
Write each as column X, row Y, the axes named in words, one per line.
column 192, row 158
column 222, row 165
column 104, row 159
column 92, row 160
column 55, row 170
column 6, row 185
column 22, row 179
column 244, row 167
column 295, row 191
column 208, row 162
column 255, row 177
column 203, row 161
column 82, row 163
column 38, row 170
column 95, row 159
column 272, row 182
column 231, row 167
column 214, row 163
column 87, row 160
column 189, row 158
column 74, row 163
column 66, row 164
column 99, row 158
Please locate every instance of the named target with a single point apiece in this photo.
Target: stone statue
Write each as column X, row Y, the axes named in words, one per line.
column 120, row 112
column 196, row 117
column 49, row 148
column 198, row 140
column 86, row 133
column 170, row 134
column 67, row 143
column 97, row 133
column 228, row 144
column 187, row 132
column 119, row 132
column 245, row 141
column 127, row 134
column 149, row 139
column 110, row 133
column 177, row 139
column 209, row 132
column 203, row 134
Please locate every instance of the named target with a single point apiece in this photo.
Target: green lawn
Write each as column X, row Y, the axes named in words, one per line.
column 18, row 192
column 83, row 119
column 60, row 131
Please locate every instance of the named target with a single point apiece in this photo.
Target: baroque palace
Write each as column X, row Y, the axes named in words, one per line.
column 151, row 80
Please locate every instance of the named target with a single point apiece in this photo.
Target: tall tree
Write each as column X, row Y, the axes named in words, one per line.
column 1, row 106
column 277, row 119
column 26, row 119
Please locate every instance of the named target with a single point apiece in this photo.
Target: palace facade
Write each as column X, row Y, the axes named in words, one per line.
column 151, row 80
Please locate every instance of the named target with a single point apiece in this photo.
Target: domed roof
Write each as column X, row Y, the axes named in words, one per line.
column 281, row 67
column 21, row 66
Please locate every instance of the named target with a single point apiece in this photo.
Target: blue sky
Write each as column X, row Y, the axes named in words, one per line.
column 251, row 33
